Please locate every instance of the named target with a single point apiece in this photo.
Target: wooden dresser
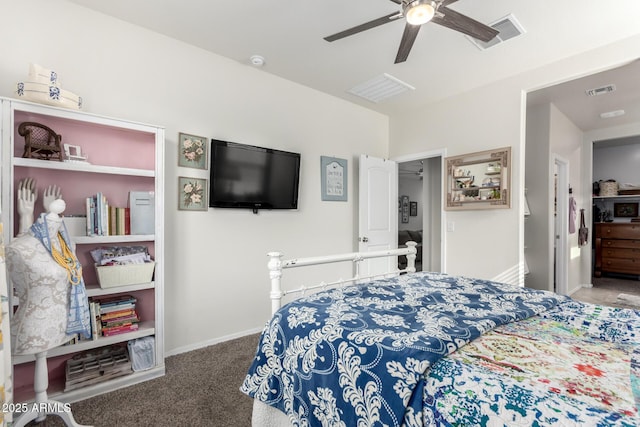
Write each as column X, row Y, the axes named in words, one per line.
column 617, row 248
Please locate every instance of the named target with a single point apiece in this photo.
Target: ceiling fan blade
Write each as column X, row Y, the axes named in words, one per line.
column 408, row 37
column 400, row 1
column 456, row 21
column 363, row 27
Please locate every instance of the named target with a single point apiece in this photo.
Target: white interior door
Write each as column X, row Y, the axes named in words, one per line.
column 378, row 212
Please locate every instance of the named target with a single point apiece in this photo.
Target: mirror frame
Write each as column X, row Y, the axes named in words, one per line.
column 452, row 181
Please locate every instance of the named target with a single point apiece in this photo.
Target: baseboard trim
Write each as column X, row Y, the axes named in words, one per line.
column 213, row 341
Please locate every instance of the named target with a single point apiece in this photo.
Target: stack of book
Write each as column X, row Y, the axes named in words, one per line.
column 114, row 315
column 104, row 219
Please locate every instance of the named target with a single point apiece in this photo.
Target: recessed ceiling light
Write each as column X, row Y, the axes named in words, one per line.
column 257, row 60
column 610, row 114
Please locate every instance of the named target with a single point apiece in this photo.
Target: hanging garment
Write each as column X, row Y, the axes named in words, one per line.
column 583, row 233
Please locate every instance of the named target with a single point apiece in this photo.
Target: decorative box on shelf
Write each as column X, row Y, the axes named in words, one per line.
column 96, row 366
column 110, row 276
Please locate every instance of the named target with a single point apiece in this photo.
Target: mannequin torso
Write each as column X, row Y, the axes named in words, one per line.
column 42, row 287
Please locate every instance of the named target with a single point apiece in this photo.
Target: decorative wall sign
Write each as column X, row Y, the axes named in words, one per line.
column 192, row 194
column 333, row 178
column 192, row 151
column 404, row 206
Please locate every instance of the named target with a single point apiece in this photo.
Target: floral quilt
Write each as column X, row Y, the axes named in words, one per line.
column 376, row 355
column 574, row 365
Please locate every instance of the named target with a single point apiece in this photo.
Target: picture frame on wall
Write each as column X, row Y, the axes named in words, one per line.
column 333, row 178
column 404, row 212
column 192, row 151
column 625, row 210
column 192, row 194
column 413, row 208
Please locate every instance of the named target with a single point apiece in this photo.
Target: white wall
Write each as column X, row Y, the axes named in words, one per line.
column 490, row 243
column 618, row 162
column 538, row 180
column 216, row 277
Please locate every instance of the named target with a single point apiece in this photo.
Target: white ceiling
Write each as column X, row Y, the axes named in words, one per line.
column 289, row 35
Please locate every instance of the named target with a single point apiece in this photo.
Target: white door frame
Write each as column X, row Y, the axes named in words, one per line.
column 560, row 236
column 427, row 155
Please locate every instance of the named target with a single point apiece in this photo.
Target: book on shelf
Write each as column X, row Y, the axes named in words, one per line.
column 96, row 325
column 118, row 314
column 115, row 300
column 121, row 321
column 104, row 219
column 120, row 330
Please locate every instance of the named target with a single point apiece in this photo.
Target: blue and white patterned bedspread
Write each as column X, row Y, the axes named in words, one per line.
column 356, row 356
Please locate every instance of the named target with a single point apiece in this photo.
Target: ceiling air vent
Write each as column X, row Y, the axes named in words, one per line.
column 508, row 28
column 601, row 90
column 380, row 88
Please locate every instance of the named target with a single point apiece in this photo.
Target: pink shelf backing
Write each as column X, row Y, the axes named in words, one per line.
column 105, row 146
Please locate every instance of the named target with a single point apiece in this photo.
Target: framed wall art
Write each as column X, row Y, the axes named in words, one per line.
column 192, row 151
column 625, row 210
column 192, row 194
column 479, row 180
column 413, row 208
column 333, row 178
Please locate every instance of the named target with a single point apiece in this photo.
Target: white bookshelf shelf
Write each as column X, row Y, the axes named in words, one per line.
column 81, row 167
column 145, row 329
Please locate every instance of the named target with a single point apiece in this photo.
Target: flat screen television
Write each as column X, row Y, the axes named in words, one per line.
column 249, row 177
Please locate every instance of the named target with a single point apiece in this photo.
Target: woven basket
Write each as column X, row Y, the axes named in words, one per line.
column 608, row 188
column 122, row 275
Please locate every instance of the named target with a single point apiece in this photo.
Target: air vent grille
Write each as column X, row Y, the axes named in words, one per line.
column 380, row 88
column 601, row 90
column 508, row 28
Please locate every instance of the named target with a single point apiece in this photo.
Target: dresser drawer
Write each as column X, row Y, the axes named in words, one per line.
column 621, row 253
column 618, row 231
column 620, row 243
column 621, row 265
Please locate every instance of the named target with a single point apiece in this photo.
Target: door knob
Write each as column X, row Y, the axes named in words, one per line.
column 364, row 239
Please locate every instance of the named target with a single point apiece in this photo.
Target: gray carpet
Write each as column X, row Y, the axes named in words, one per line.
column 200, row 388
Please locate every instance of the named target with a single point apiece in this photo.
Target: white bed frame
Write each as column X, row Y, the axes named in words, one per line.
column 264, row 415
column 277, row 264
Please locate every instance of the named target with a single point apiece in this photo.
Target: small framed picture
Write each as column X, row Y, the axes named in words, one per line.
column 192, row 194
column 625, row 210
column 333, row 176
column 413, row 208
column 192, row 151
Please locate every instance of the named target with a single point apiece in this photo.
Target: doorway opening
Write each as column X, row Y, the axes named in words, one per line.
column 420, row 207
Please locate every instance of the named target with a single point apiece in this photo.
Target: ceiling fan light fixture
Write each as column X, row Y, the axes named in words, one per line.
column 419, row 12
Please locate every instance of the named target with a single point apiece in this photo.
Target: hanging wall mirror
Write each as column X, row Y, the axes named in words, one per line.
column 479, row 180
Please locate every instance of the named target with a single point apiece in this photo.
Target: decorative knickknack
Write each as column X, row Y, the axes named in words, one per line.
column 43, row 86
column 40, row 141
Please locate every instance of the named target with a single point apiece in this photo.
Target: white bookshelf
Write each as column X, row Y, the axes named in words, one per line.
column 111, row 168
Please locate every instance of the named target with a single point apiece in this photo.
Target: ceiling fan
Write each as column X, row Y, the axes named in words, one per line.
column 418, row 12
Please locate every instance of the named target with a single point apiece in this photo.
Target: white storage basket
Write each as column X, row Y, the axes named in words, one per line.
column 110, row 276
